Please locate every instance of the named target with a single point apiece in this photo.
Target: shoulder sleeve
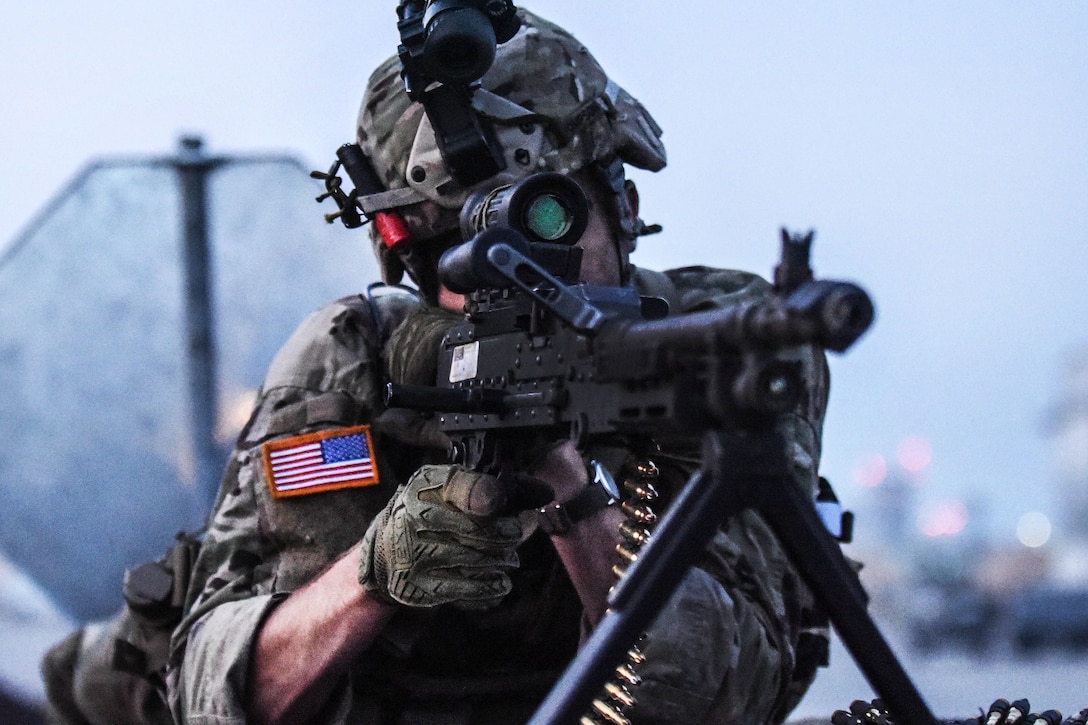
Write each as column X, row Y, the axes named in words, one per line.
column 336, row 350
column 258, row 548
column 725, row 647
column 705, row 288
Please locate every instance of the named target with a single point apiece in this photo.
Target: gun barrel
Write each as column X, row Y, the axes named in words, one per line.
column 825, row 313
column 840, row 312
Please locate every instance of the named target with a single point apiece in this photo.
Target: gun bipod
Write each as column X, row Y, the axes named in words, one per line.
column 740, row 470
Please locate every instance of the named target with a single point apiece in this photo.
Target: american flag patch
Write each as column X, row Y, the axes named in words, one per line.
column 322, row 461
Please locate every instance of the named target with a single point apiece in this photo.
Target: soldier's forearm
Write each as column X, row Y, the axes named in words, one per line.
column 587, row 551
column 307, row 644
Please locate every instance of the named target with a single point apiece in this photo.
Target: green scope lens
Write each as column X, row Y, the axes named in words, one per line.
column 548, row 218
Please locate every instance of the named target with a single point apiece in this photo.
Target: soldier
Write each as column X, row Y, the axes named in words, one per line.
column 397, row 593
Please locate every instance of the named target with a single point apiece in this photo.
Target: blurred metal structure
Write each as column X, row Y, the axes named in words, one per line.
column 138, row 313
column 193, row 168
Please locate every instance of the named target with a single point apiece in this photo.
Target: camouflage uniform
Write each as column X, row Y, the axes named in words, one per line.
column 85, row 683
column 111, row 672
column 725, row 647
column 723, row 650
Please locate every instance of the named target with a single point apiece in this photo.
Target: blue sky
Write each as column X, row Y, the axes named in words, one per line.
column 939, row 149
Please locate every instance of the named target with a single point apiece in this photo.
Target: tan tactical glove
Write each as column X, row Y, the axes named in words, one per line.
column 438, row 541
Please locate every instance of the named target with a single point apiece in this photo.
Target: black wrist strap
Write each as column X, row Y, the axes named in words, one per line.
column 557, row 518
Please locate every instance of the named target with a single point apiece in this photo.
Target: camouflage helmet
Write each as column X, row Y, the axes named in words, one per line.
column 553, row 109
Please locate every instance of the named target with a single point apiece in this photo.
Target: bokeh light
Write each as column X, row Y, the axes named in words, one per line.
column 1033, row 529
column 235, row 408
column 914, row 454
column 870, row 471
column 946, row 519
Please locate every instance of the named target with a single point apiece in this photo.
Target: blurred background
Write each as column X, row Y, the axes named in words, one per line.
column 938, row 149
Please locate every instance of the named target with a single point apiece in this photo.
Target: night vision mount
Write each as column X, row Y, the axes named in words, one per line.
column 446, row 47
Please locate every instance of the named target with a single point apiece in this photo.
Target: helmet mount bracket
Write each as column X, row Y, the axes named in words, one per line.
column 446, row 47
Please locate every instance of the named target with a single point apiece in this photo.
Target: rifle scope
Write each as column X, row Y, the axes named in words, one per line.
column 547, row 207
column 543, row 214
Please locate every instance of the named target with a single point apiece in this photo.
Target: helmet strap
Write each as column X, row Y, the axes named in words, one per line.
column 622, row 209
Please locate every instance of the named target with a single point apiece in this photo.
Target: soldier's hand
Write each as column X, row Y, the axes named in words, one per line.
column 440, row 541
column 562, row 469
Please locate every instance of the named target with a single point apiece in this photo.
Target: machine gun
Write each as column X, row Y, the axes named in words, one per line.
column 537, row 351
